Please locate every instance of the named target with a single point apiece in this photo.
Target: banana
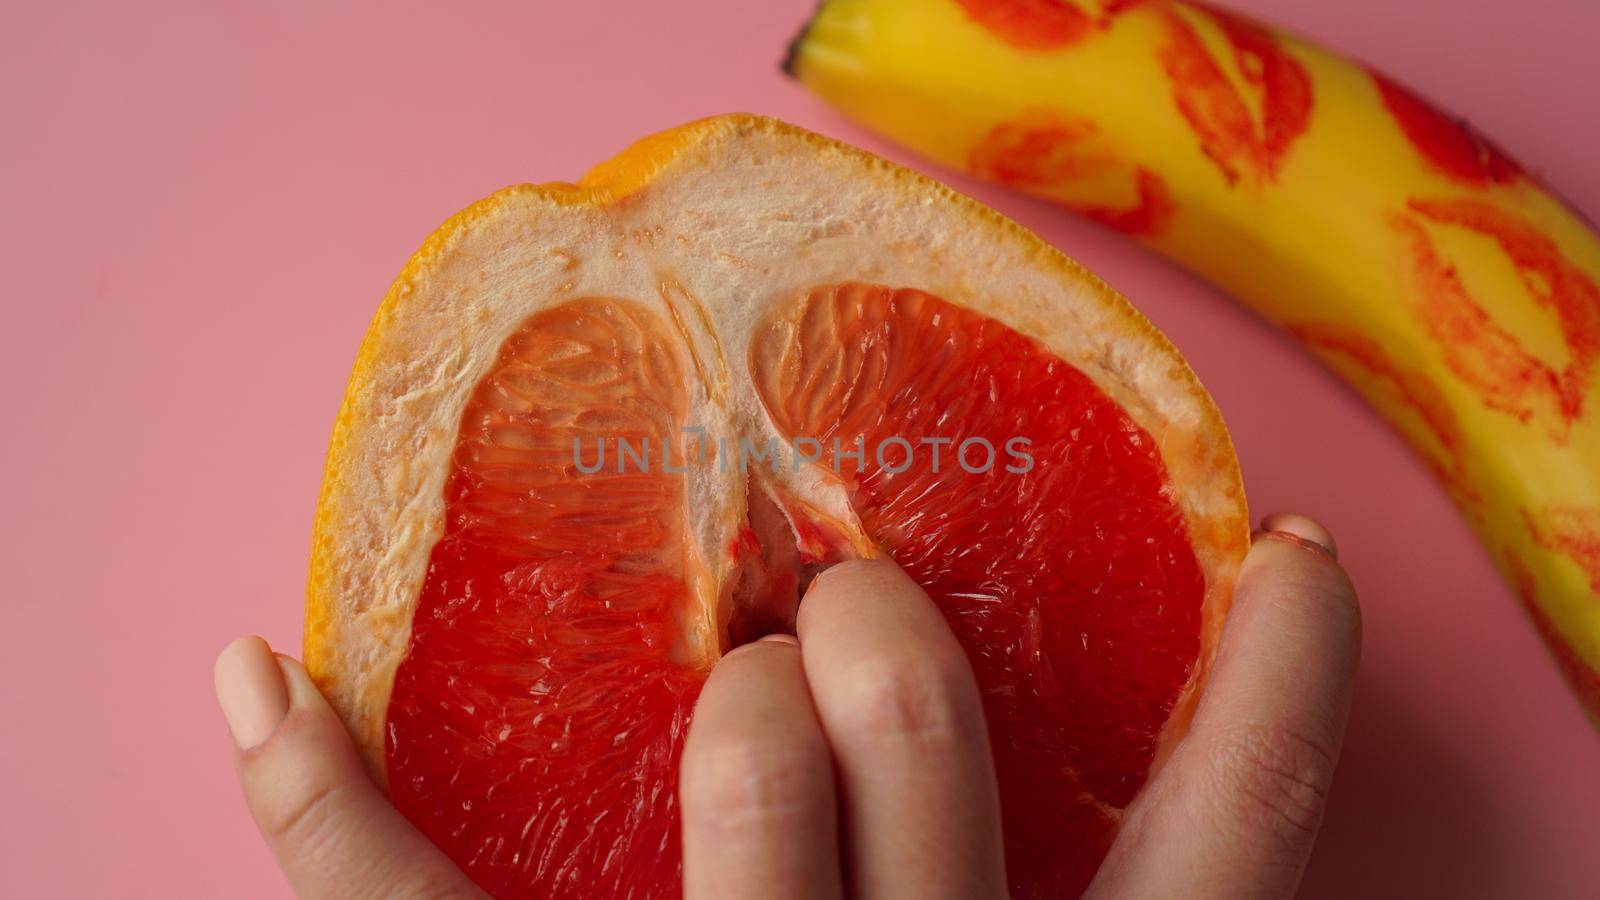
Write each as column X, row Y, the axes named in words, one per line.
column 1410, row 254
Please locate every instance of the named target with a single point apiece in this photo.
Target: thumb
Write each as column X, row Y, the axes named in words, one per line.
column 1237, row 807
column 331, row 829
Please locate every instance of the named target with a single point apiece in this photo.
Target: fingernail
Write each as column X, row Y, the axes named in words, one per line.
column 780, row 638
column 1302, row 530
column 251, row 691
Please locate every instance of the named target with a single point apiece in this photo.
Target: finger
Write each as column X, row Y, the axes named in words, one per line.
column 332, row 831
column 1236, row 809
column 1293, row 525
column 756, row 783
column 901, row 711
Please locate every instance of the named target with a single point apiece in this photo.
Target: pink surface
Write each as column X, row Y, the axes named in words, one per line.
column 203, row 203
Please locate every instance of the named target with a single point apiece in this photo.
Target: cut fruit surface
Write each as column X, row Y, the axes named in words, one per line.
column 600, row 433
column 1056, row 561
column 535, row 723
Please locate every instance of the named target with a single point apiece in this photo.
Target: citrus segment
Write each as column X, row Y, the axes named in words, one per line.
column 536, row 721
column 1040, row 518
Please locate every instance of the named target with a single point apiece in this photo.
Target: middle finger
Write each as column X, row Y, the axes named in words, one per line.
column 900, row 707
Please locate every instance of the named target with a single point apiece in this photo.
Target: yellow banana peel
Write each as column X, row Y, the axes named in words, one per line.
column 1422, row 264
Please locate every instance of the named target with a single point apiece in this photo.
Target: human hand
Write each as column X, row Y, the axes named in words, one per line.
column 855, row 761
column 869, row 726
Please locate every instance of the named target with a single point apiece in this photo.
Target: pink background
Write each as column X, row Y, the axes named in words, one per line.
column 203, row 202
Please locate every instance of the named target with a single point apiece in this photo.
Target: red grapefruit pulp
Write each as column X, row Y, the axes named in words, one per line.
column 536, row 723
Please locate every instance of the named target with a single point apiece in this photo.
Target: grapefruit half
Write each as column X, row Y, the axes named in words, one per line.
column 599, row 433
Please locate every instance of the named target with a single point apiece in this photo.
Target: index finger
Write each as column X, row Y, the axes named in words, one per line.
column 901, row 711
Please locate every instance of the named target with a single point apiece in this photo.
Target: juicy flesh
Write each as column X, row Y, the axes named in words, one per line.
column 534, row 728
column 535, row 724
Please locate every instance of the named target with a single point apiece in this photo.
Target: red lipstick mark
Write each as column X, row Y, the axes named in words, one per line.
column 1450, row 145
column 1238, row 138
column 1410, row 389
column 1582, row 677
column 1155, row 207
column 1044, row 24
column 1570, row 530
column 1483, row 353
column 1053, row 155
